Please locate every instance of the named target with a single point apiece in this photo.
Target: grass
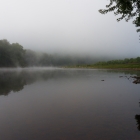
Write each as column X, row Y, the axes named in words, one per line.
column 109, row 66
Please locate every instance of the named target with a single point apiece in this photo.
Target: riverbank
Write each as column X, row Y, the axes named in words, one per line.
column 109, row 66
column 123, row 67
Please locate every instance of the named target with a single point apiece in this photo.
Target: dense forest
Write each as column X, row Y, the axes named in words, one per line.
column 14, row 55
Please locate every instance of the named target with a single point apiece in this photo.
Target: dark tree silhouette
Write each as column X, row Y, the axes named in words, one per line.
column 137, row 117
column 11, row 55
column 126, row 8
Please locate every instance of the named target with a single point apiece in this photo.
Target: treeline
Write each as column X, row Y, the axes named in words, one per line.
column 14, row 55
column 124, row 61
column 127, row 63
column 43, row 59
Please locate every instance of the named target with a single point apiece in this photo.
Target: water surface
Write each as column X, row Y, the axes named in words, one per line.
column 68, row 104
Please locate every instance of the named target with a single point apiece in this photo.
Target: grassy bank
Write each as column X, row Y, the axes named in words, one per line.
column 108, row 66
column 127, row 63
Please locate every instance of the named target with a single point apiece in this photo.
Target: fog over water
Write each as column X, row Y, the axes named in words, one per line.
column 67, row 27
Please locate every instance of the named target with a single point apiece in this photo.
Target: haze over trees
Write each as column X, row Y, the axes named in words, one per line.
column 128, row 9
column 14, row 55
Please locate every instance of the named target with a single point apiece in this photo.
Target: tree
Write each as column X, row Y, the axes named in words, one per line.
column 18, row 54
column 11, row 55
column 5, row 54
column 126, row 8
column 31, row 58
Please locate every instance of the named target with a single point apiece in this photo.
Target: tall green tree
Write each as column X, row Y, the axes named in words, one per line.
column 126, row 8
column 11, row 55
column 5, row 54
column 18, row 54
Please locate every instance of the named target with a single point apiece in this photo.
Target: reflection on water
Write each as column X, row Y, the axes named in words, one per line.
column 137, row 117
column 15, row 80
column 68, row 104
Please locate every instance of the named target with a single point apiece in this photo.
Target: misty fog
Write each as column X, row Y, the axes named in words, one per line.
column 68, row 27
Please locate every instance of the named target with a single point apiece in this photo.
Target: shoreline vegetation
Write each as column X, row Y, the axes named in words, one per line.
column 105, row 67
column 126, row 64
column 15, row 56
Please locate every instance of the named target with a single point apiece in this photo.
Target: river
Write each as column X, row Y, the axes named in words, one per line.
column 69, row 104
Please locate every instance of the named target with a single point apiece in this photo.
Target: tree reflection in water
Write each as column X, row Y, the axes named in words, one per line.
column 137, row 117
column 12, row 81
column 15, row 80
column 83, row 115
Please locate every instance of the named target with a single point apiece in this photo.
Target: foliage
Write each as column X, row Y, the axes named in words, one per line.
column 14, row 55
column 126, row 8
column 11, row 55
column 129, row 63
column 125, row 61
column 31, row 58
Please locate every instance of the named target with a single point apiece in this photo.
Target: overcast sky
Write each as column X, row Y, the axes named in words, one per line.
column 67, row 26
